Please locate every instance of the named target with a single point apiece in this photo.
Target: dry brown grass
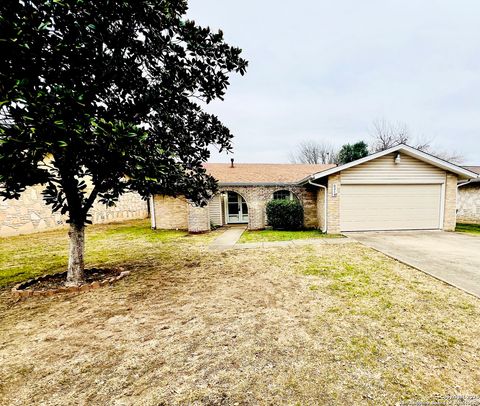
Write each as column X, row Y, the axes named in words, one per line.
column 322, row 324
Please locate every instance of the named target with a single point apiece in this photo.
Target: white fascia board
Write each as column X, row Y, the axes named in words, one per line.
column 422, row 156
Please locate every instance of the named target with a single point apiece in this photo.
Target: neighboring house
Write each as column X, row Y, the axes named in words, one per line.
column 30, row 214
column 400, row 188
column 469, row 199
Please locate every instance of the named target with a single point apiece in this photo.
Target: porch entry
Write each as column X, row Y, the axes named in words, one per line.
column 236, row 209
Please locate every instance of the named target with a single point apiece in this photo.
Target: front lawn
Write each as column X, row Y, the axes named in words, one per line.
column 279, row 235
column 468, row 228
column 28, row 256
column 321, row 324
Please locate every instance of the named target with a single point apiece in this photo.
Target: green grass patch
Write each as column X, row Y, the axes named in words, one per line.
column 27, row 256
column 281, row 235
column 360, row 327
column 468, row 228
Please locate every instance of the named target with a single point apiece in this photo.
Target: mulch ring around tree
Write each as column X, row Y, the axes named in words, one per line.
column 49, row 285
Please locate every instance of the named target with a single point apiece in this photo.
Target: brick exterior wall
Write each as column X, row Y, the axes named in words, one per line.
column 198, row 219
column 450, row 218
column 30, row 214
column 171, row 213
column 321, row 208
column 333, row 220
column 176, row 213
column 468, row 204
column 257, row 198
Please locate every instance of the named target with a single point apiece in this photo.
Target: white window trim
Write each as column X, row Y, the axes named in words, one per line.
column 291, row 195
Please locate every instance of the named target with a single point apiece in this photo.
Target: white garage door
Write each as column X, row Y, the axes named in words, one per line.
column 390, row 207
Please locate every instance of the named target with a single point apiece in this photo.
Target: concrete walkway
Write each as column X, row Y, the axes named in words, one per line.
column 227, row 239
column 451, row 257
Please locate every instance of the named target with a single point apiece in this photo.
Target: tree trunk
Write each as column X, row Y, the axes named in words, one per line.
column 75, row 275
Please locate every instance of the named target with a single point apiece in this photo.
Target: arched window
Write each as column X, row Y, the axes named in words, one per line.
column 284, row 195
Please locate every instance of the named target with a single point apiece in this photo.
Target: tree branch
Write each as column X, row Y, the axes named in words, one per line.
column 90, row 200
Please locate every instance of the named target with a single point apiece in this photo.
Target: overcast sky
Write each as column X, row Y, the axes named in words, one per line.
column 324, row 70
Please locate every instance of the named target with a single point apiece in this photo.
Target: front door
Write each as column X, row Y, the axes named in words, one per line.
column 237, row 210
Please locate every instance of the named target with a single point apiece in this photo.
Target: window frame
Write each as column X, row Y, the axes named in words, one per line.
column 290, row 196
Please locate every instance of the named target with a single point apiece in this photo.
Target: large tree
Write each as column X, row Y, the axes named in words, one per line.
column 101, row 97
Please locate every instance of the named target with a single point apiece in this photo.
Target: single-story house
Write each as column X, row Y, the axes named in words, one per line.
column 469, row 199
column 400, row 188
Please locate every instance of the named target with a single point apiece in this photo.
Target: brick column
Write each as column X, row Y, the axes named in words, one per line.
column 309, row 198
column 333, row 220
column 198, row 219
column 321, row 208
column 256, row 214
column 450, row 217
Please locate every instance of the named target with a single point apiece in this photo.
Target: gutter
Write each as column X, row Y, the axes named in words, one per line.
column 469, row 181
column 325, row 206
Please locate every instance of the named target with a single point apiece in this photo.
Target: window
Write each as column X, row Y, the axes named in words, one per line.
column 284, row 195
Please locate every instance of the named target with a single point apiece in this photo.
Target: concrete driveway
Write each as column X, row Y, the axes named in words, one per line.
column 451, row 257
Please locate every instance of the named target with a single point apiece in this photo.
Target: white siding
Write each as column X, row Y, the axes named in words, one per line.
column 215, row 206
column 390, row 207
column 385, row 170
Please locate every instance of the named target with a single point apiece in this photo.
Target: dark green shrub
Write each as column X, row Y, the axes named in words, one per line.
column 285, row 214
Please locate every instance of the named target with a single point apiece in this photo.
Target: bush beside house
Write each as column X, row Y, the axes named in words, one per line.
column 285, row 214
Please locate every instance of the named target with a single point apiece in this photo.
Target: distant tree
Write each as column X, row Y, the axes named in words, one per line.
column 103, row 92
column 313, row 152
column 386, row 135
column 352, row 152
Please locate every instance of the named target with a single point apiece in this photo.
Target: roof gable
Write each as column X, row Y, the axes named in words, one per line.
column 406, row 149
column 385, row 170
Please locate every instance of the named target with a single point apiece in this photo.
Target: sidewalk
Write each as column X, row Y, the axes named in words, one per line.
column 227, row 239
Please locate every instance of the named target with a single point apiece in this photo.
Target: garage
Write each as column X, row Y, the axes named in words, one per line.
column 399, row 188
column 391, row 207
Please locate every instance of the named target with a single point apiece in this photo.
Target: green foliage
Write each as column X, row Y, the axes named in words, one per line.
column 352, row 152
column 468, row 228
column 283, row 235
column 285, row 214
column 106, row 91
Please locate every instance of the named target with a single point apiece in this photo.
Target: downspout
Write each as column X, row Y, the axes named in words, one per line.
column 153, row 219
column 325, row 205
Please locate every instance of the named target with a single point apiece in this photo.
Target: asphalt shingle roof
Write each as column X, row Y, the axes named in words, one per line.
column 475, row 169
column 263, row 173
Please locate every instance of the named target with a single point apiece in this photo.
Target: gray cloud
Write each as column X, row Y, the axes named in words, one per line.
column 325, row 70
